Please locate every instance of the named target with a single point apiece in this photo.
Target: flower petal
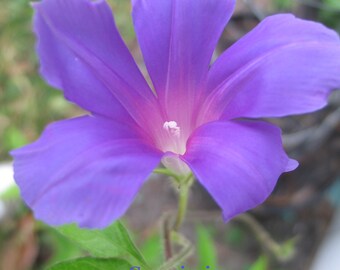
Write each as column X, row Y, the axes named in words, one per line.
column 238, row 162
column 284, row 66
column 82, row 53
column 177, row 39
column 85, row 170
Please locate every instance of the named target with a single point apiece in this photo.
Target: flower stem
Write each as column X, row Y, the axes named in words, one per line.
column 183, row 201
column 185, row 252
column 167, row 172
column 170, row 228
column 184, row 184
column 167, row 238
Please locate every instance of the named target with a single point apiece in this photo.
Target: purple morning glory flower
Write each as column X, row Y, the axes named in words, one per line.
column 89, row 169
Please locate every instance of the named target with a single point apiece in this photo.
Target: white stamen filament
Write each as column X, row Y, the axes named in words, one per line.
column 173, row 140
column 172, row 128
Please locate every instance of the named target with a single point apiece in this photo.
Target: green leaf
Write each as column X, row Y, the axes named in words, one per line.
column 260, row 264
column 152, row 250
column 11, row 193
column 288, row 249
column 62, row 248
column 92, row 264
column 112, row 241
column 206, row 248
column 235, row 236
column 284, row 4
column 334, row 4
column 183, row 254
column 14, row 138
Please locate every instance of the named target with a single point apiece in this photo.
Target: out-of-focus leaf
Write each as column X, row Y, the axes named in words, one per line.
column 288, row 249
column 260, row 264
column 329, row 14
column 112, row 241
column 62, row 248
column 283, row 4
column 152, row 250
column 93, row 264
column 334, row 4
column 11, row 193
column 14, row 138
column 235, row 236
column 206, row 251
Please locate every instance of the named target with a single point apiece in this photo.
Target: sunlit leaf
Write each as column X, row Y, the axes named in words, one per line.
column 14, row 138
column 112, row 241
column 206, row 251
column 62, row 248
column 260, row 264
column 152, row 250
column 11, row 193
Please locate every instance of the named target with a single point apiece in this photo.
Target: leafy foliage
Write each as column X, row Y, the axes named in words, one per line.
column 92, row 264
column 152, row 250
column 206, row 251
column 260, row 264
column 112, row 241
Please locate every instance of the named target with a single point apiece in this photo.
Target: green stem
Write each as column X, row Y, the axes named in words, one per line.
column 184, row 187
column 183, row 201
column 167, row 237
column 185, row 252
column 183, row 183
column 167, row 172
column 266, row 240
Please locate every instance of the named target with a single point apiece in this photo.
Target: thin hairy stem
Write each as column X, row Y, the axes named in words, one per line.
column 183, row 197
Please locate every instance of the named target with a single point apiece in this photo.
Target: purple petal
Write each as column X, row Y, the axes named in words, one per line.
column 284, row 66
column 177, row 39
column 82, row 53
column 238, row 162
column 85, row 170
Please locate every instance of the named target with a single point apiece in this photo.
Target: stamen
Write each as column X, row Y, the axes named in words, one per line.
column 172, row 128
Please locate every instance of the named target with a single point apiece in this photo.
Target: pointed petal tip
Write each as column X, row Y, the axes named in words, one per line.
column 12, row 153
column 17, row 152
column 291, row 165
column 227, row 217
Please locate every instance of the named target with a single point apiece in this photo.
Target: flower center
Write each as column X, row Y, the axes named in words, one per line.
column 173, row 139
column 172, row 128
column 174, row 143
